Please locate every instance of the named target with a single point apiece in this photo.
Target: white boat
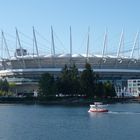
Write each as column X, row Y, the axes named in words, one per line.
column 98, row 107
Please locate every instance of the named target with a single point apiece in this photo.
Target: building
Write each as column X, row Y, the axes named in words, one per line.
column 24, row 69
column 131, row 90
column 134, row 87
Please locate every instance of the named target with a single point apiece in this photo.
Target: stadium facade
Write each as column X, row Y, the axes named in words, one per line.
column 24, row 70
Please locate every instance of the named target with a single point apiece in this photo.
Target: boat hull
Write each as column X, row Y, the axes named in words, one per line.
column 98, row 110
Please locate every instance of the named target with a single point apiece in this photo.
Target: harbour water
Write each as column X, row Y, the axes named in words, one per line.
column 38, row 122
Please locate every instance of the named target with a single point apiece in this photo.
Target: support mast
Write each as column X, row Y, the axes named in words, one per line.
column 87, row 54
column 1, row 47
column 3, row 37
column 121, row 43
column 35, row 41
column 135, row 43
column 36, row 46
column 21, row 51
column 53, row 47
column 104, row 44
column 19, row 42
column 70, row 45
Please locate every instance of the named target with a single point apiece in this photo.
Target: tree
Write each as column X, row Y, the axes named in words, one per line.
column 74, row 77
column 5, row 85
column 12, row 86
column 87, row 81
column 99, row 90
column 46, row 85
column 65, row 73
column 109, row 89
column 68, row 82
column 65, row 81
column 74, row 74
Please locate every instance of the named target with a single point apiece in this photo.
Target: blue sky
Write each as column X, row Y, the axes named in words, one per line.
column 98, row 14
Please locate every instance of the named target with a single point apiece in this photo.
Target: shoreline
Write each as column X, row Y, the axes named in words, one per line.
column 64, row 101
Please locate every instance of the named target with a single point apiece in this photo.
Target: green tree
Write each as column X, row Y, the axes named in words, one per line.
column 109, row 89
column 68, row 82
column 5, row 85
column 65, row 73
column 65, row 82
column 47, row 85
column 74, row 74
column 74, row 77
column 87, row 81
column 100, row 90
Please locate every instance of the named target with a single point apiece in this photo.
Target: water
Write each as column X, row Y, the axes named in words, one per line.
column 36, row 122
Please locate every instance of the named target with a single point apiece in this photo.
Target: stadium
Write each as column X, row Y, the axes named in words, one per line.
column 24, row 69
